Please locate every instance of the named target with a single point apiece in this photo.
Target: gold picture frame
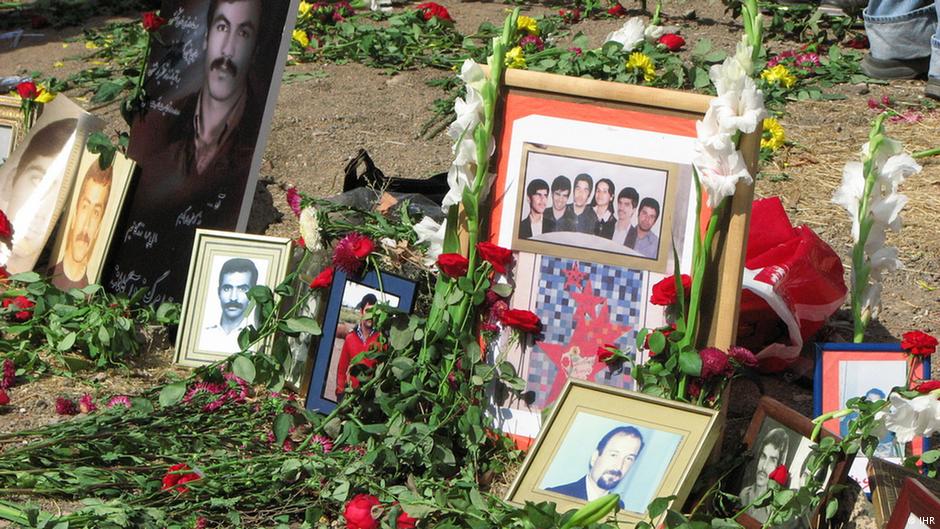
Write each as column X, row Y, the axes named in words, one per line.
column 227, row 261
column 666, row 443
column 12, row 130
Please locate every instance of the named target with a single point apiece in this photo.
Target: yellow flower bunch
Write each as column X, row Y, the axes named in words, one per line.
column 515, row 58
column 300, row 37
column 642, row 62
column 527, row 25
column 773, row 137
column 779, row 74
column 304, row 9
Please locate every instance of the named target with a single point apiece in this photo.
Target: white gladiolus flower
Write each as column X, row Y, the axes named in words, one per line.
column 709, row 133
column 630, row 35
column 431, row 232
column 871, row 299
column 740, row 110
column 886, row 210
column 885, row 259
column 458, row 178
column 719, row 170
column 849, row 194
column 652, row 33
column 912, row 418
column 472, row 75
column 310, row 229
column 896, row 169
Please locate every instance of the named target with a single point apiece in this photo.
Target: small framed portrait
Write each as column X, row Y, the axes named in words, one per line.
column 917, row 508
column 216, row 307
column 778, row 435
column 847, row 370
column 36, row 180
column 302, row 347
column 601, row 440
column 597, row 206
column 886, row 480
column 85, row 235
column 11, row 126
column 348, row 333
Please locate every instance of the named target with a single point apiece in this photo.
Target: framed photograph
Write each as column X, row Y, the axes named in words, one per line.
column 848, row 370
column 36, row 180
column 594, row 180
column 602, row 440
column 87, row 231
column 297, row 371
column 917, row 508
column 778, row 435
column 886, row 480
column 348, row 333
column 212, row 83
column 224, row 267
column 11, row 126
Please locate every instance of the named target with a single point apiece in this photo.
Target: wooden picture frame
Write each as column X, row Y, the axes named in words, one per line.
column 634, row 127
column 641, row 447
column 89, row 224
column 846, row 370
column 886, row 480
column 223, row 267
column 12, row 129
column 773, row 424
column 917, row 508
column 337, row 343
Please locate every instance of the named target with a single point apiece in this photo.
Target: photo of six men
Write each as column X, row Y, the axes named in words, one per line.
column 594, row 209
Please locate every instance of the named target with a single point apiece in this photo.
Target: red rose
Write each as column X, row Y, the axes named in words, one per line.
column 780, row 475
column 927, row 386
column 177, row 475
column 672, row 42
column 617, row 10
column 605, row 352
column 152, row 21
column 405, row 522
column 6, row 227
column 523, row 320
column 431, row 10
column 453, row 264
column 715, row 363
column 664, row 292
column 324, row 279
column 5, row 399
column 27, row 90
column 497, row 256
column 362, row 512
column 24, row 304
column 918, row 343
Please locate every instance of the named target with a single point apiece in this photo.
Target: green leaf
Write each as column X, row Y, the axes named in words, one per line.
column 303, row 324
column 107, row 91
column 832, row 508
column 243, row 368
column 172, row 393
column 502, row 289
column 282, row 425
column 400, row 335
column 659, row 506
column 66, row 343
column 25, row 277
column 657, row 342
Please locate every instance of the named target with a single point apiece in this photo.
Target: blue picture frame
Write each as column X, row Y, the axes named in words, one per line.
column 862, row 348
column 391, row 284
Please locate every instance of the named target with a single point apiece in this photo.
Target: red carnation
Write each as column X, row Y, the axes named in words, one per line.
column 672, row 42
column 351, row 251
column 523, row 320
column 497, row 256
column 324, row 279
column 8, row 375
column 780, row 475
column 27, row 90
column 64, row 406
column 453, row 264
column 178, row 475
column 405, row 522
column 152, row 21
column 605, row 352
column 22, row 305
column 6, row 228
column 617, row 10
column 362, row 512
column 714, row 363
column 5, row 399
column 431, row 10
column 293, row 200
column 664, row 292
column 86, row 404
column 918, row 343
column 927, row 386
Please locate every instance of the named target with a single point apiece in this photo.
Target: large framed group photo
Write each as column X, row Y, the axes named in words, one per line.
column 594, row 193
column 211, row 85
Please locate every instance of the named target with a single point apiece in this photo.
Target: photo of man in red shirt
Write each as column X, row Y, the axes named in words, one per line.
column 359, row 340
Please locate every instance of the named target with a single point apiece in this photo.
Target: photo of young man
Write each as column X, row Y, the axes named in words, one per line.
column 560, row 217
column 533, row 225
column 624, row 230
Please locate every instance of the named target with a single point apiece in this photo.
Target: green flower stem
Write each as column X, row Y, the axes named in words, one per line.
column 926, row 154
column 758, row 500
column 819, row 421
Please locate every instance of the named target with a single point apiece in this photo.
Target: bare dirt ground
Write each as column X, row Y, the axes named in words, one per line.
column 322, row 121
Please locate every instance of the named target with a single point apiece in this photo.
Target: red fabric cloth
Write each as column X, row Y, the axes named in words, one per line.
column 793, row 282
column 352, row 346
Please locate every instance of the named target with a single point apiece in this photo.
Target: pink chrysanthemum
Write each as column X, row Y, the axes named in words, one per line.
column 325, row 443
column 293, row 200
column 351, row 251
column 9, row 374
column 120, row 400
column 714, row 363
column 64, row 406
column 531, row 41
column 743, row 356
column 86, row 404
column 203, row 387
